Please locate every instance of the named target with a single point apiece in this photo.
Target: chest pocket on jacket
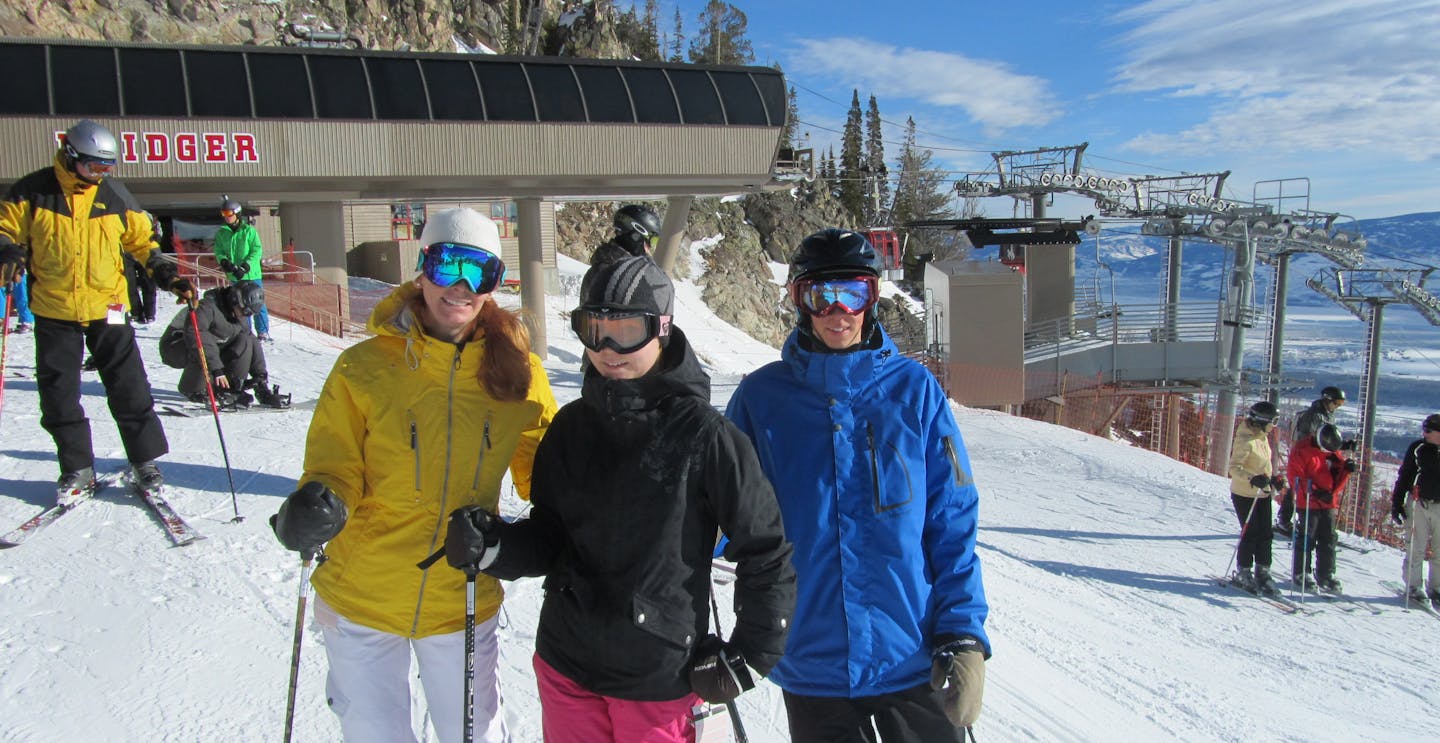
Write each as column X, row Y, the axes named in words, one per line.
column 106, row 266
column 892, row 483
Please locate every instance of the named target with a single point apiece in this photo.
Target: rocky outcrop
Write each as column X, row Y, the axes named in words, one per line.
column 784, row 218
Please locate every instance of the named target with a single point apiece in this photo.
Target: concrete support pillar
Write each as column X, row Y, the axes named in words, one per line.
column 532, row 272
column 672, row 231
column 318, row 231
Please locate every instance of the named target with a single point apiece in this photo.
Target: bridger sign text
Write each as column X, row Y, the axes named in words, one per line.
column 186, row 147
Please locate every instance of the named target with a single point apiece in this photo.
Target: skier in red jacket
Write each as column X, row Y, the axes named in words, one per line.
column 1318, row 470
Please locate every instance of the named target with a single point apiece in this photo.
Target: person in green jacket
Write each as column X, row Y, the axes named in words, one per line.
column 237, row 248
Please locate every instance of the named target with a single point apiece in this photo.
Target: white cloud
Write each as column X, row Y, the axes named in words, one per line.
column 989, row 92
column 1327, row 75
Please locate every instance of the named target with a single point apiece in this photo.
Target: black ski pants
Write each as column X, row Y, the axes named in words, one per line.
column 59, row 351
column 914, row 715
column 1256, row 531
column 1314, row 531
column 142, row 291
column 1287, row 506
column 243, row 359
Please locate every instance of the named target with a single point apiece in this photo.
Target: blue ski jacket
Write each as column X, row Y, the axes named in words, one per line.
column 876, row 495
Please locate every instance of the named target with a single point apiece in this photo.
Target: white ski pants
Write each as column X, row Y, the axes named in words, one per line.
column 368, row 686
column 1422, row 519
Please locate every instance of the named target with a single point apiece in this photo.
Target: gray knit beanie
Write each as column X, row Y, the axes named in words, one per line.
column 634, row 283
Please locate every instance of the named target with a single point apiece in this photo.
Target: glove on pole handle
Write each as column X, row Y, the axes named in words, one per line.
column 214, row 409
column 308, row 557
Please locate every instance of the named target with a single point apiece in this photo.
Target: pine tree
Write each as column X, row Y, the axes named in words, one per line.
column 877, row 196
column 852, row 180
column 721, row 38
column 677, row 42
column 918, row 195
column 637, row 32
column 792, row 119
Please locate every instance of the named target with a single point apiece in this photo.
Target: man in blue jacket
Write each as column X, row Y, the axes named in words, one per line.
column 875, row 491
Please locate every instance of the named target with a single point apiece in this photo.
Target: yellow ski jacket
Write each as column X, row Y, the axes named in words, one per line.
column 75, row 231
column 404, row 433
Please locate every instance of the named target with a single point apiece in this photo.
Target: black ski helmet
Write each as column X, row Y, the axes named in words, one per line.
column 1332, row 394
column 834, row 252
column 1432, row 423
column 1262, row 413
column 638, row 220
column 251, row 296
column 1327, row 437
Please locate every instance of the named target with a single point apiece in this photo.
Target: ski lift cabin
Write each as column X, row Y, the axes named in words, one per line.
column 887, row 243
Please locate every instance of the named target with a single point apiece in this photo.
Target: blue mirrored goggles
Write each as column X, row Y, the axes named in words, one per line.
column 446, row 263
column 822, row 296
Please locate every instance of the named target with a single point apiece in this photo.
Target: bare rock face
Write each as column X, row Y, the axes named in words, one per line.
column 738, row 282
column 785, row 218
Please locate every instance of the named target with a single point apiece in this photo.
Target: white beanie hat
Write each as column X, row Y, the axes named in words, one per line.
column 464, row 226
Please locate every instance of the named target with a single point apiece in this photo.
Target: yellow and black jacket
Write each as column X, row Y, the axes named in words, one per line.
column 75, row 232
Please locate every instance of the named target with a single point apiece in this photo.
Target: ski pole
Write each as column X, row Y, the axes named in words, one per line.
column 469, row 698
column 5, row 342
column 214, row 409
column 307, row 558
column 734, row 712
column 1409, row 552
column 1244, row 527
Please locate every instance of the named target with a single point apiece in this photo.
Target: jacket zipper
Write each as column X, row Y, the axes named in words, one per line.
column 444, row 488
column 484, row 447
column 961, row 479
column 414, row 445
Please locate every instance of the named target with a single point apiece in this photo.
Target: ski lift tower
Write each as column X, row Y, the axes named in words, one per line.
column 1365, row 293
column 1032, row 176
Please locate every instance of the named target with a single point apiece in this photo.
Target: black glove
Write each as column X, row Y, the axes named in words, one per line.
column 1260, row 481
column 227, row 266
column 1349, row 445
column 1352, row 466
column 1397, row 510
column 473, row 532
column 959, row 669
column 1322, row 495
column 718, row 672
column 239, row 270
column 1277, row 483
column 12, row 263
column 309, row 517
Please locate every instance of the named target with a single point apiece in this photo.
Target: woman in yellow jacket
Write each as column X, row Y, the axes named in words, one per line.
column 411, row 424
column 1252, row 485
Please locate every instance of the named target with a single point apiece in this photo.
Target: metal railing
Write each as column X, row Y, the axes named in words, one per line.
column 1116, row 324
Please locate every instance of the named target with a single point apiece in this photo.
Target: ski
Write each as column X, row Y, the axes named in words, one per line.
column 195, row 410
column 1400, row 591
column 1275, row 600
column 181, row 533
column 25, row 531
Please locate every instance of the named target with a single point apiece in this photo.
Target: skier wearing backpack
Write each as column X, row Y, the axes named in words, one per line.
column 1251, row 483
column 875, row 487
column 1318, row 470
column 233, row 356
column 1415, row 503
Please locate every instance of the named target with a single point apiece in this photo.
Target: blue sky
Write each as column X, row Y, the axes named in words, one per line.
column 1345, row 93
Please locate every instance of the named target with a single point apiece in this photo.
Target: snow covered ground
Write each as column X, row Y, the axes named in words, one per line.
column 1096, row 555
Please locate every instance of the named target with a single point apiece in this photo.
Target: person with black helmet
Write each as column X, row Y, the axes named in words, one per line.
column 877, row 494
column 631, row 483
column 234, row 357
column 1251, row 485
column 1318, row 469
column 1320, row 412
column 1415, row 503
column 238, row 250
column 63, row 224
column 637, row 231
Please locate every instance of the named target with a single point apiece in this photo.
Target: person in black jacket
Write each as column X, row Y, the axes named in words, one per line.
column 632, row 482
column 1415, row 502
column 233, row 355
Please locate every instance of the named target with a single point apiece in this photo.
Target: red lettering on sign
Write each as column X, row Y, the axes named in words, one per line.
column 185, row 147
column 245, row 148
column 157, row 147
column 129, row 153
column 215, row 148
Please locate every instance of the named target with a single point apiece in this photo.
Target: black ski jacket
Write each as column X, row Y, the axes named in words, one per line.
column 1420, row 472
column 631, row 484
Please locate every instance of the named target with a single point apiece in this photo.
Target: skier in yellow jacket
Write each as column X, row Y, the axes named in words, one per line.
column 412, row 424
column 68, row 225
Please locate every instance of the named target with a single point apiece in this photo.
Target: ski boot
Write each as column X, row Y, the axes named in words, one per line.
column 1244, row 579
column 72, row 485
column 1330, row 586
column 269, row 395
column 1417, row 597
column 147, row 476
column 1284, row 529
column 1308, row 586
column 1264, row 584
